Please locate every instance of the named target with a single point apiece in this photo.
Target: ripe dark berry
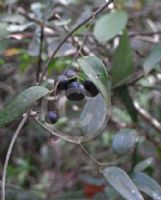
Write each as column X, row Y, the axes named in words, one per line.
column 91, row 88
column 62, row 82
column 71, row 75
column 53, row 116
column 75, row 91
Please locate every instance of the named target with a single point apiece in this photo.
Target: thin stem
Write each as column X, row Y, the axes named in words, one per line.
column 84, row 39
column 59, row 135
column 22, row 12
column 98, row 163
column 9, row 154
column 89, row 155
column 144, row 33
column 80, row 47
column 147, row 117
column 98, row 11
column 39, row 63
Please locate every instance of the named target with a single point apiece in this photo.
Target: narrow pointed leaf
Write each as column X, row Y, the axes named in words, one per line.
column 122, row 183
column 21, row 103
column 148, row 185
column 122, row 62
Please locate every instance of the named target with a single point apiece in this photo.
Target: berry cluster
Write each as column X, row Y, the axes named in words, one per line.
column 75, row 90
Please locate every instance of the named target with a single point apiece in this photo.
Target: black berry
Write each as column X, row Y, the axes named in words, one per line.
column 91, row 88
column 75, row 91
column 62, row 82
column 53, row 116
column 71, row 75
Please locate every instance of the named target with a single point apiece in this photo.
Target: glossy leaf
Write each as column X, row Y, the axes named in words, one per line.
column 21, row 103
column 96, row 72
column 122, row 183
column 124, row 141
column 94, row 116
column 148, row 185
column 153, row 59
column 109, row 25
column 141, row 166
column 126, row 98
column 122, row 62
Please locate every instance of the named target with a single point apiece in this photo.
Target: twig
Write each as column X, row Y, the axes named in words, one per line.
column 22, row 12
column 59, row 135
column 147, row 117
column 89, row 155
column 130, row 80
column 98, row 163
column 155, row 142
column 81, row 48
column 9, row 154
column 39, row 63
column 98, row 11
column 144, row 33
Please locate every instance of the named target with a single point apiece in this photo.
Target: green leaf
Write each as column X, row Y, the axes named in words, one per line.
column 21, row 103
column 122, row 63
column 94, row 116
column 95, row 70
column 109, row 25
column 124, row 141
column 128, row 102
column 153, row 59
column 141, row 166
column 122, row 183
column 148, row 185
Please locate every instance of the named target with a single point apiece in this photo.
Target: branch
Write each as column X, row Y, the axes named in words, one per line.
column 97, row 12
column 39, row 63
column 9, row 154
column 147, row 117
column 144, row 33
column 22, row 12
column 59, row 135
